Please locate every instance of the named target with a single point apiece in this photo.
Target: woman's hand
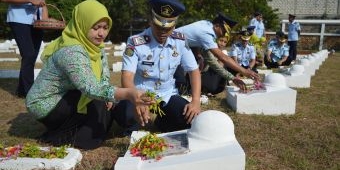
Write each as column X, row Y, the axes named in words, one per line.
column 39, row 3
column 142, row 103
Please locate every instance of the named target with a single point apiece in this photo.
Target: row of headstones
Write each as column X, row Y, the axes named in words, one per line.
column 10, row 46
column 279, row 97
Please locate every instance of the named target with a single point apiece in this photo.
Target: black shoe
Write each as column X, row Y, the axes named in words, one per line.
column 20, row 95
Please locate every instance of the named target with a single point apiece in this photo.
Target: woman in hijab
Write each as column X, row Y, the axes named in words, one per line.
column 72, row 95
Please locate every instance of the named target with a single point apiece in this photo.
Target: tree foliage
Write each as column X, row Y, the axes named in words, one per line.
column 130, row 16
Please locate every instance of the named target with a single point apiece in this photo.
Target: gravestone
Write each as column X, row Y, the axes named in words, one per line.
column 276, row 99
column 73, row 157
column 296, row 77
column 209, row 144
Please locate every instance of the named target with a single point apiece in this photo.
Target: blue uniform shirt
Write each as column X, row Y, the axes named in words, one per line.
column 22, row 13
column 259, row 27
column 278, row 52
column 293, row 29
column 200, row 34
column 244, row 54
column 154, row 64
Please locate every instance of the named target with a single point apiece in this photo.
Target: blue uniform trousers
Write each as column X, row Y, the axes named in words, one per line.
column 28, row 40
column 173, row 119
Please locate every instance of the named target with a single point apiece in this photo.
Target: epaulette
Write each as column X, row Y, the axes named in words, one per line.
column 238, row 44
column 140, row 40
column 177, row 35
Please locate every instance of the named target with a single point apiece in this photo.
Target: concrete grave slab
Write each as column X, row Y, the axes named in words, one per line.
column 277, row 99
column 9, row 59
column 209, row 144
column 73, row 157
column 295, row 77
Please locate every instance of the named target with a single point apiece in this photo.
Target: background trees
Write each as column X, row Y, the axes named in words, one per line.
column 130, row 16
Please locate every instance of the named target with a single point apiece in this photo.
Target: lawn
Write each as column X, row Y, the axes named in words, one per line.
column 308, row 140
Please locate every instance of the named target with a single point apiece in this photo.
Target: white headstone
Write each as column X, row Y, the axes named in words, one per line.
column 277, row 99
column 295, row 77
column 73, row 157
column 212, row 145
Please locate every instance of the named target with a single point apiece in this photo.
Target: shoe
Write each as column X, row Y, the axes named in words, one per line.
column 20, row 95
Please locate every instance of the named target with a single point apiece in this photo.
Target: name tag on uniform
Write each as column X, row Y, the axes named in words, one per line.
column 148, row 63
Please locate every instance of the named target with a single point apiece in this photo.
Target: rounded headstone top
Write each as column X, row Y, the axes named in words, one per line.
column 297, row 69
column 311, row 58
column 210, row 127
column 304, row 62
column 275, row 80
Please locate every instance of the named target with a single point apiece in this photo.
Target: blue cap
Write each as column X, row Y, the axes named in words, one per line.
column 251, row 28
column 282, row 37
column 166, row 12
column 257, row 14
column 291, row 16
column 279, row 33
column 222, row 19
column 225, row 22
column 245, row 35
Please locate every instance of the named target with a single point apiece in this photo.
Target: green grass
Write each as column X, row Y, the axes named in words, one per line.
column 308, row 140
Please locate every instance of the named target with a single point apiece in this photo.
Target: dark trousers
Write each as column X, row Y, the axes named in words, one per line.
column 271, row 64
column 212, row 82
column 182, row 81
column 28, row 40
column 173, row 119
column 66, row 126
column 292, row 51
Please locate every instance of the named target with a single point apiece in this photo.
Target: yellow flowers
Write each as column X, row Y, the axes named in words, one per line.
column 154, row 108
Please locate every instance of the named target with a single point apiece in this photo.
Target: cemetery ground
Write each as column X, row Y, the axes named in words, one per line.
column 308, row 140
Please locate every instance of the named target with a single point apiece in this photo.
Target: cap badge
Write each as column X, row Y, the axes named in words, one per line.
column 166, row 10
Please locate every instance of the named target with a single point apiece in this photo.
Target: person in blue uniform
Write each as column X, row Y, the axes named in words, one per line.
column 275, row 40
column 149, row 63
column 277, row 53
column 20, row 17
column 243, row 52
column 293, row 37
column 257, row 21
column 202, row 36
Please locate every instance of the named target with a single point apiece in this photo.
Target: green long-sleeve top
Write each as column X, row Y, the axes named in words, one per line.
column 67, row 69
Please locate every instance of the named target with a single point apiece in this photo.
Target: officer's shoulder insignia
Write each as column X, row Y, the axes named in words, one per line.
column 129, row 51
column 140, row 40
column 177, row 35
column 238, row 44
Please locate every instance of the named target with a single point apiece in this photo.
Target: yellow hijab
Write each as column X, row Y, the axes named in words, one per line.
column 84, row 16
